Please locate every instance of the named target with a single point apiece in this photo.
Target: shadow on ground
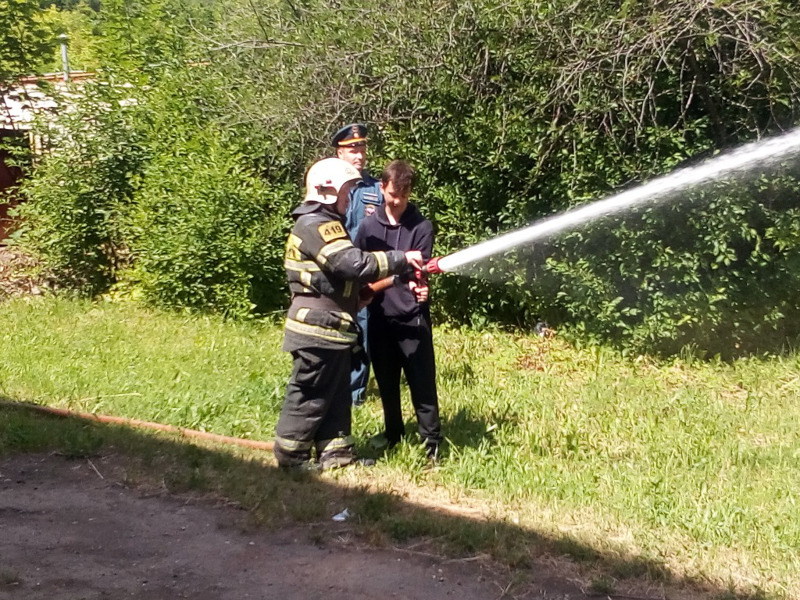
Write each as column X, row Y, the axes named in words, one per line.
column 536, row 565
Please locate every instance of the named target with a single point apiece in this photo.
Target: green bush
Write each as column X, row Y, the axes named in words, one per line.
column 718, row 272
column 81, row 185
column 203, row 231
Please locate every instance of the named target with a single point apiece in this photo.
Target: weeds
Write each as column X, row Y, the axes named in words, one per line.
column 602, row 586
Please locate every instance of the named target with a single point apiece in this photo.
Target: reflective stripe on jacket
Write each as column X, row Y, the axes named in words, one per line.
column 325, row 272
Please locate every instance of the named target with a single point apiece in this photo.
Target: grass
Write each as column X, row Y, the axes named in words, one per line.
column 193, row 372
column 661, row 470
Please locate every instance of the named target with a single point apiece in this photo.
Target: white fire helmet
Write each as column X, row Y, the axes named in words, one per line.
column 328, row 173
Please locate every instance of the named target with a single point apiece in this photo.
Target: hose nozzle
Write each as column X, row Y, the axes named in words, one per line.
column 432, row 266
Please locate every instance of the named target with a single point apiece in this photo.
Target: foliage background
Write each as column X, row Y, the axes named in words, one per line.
column 510, row 111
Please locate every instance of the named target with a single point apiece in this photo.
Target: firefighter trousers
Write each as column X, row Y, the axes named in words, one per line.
column 316, row 409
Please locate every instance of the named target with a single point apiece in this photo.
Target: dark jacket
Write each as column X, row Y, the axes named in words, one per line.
column 325, row 272
column 413, row 232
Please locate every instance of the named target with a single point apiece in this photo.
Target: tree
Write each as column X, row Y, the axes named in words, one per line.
column 25, row 42
column 70, row 4
column 512, row 111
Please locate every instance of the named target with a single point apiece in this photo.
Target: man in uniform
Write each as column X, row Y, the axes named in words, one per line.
column 351, row 145
column 325, row 273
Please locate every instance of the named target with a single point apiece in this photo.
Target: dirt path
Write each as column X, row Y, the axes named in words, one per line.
column 70, row 530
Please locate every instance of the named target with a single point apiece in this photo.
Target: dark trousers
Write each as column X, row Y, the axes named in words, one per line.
column 406, row 345
column 359, row 375
column 316, row 409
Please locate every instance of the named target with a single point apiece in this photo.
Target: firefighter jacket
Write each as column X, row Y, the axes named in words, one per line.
column 325, row 273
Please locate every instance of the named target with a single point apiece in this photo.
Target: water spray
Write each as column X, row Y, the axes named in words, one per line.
column 751, row 154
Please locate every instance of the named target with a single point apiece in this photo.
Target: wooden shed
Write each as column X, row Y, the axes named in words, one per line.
column 19, row 107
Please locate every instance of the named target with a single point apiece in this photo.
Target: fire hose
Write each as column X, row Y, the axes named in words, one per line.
column 431, row 267
column 180, row 431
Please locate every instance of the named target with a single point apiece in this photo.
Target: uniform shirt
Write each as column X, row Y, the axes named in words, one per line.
column 325, row 272
column 365, row 199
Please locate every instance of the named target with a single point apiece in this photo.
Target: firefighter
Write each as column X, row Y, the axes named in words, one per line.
column 365, row 198
column 325, row 273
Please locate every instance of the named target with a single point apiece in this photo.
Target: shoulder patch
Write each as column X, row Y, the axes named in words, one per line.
column 293, row 248
column 372, row 198
column 331, row 230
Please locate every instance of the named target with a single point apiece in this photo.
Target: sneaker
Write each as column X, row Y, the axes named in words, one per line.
column 432, row 452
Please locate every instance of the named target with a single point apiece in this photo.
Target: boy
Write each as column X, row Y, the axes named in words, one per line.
column 399, row 318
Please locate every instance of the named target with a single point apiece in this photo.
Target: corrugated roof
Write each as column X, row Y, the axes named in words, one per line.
column 20, row 104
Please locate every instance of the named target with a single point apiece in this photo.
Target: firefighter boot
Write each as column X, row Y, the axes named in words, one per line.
column 342, row 457
column 294, row 461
